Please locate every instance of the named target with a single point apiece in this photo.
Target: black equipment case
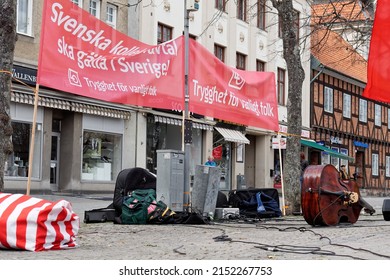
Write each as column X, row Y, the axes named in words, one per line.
column 100, row 215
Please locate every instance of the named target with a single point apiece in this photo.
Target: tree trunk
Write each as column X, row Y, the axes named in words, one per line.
column 296, row 76
column 7, row 46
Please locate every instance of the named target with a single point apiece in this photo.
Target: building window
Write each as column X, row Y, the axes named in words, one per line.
column 219, row 52
column 17, row 163
column 346, row 105
column 325, row 157
column 387, row 166
column 220, row 5
column 388, row 118
column 375, row 164
column 378, row 115
column 240, row 61
column 260, row 65
column 101, row 156
column 363, row 110
column 112, row 14
column 24, row 17
column 344, row 161
column 94, row 8
column 281, row 86
column 261, row 14
column 328, row 99
column 335, row 160
column 77, row 2
column 164, row 33
column 241, row 9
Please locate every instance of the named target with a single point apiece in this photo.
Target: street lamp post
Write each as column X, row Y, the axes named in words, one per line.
column 189, row 6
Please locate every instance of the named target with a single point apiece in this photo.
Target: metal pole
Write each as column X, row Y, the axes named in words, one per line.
column 187, row 125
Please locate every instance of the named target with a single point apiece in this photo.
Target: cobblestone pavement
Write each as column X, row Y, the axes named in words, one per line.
column 285, row 238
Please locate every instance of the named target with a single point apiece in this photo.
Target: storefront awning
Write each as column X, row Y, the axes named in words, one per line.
column 232, row 135
column 80, row 107
column 173, row 121
column 317, row 146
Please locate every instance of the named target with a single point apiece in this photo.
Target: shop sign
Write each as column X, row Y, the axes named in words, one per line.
column 279, row 145
column 24, row 74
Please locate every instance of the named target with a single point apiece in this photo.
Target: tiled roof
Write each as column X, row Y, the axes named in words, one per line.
column 338, row 12
column 335, row 53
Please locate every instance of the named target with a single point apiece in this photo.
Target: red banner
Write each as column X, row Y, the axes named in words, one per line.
column 378, row 71
column 227, row 93
column 82, row 55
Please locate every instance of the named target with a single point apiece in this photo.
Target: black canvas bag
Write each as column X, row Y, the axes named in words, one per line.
column 247, row 202
column 129, row 180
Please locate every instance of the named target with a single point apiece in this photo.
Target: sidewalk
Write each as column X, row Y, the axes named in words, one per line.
column 285, row 238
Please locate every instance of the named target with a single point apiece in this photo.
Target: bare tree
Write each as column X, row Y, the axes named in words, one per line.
column 7, row 46
column 336, row 16
column 296, row 76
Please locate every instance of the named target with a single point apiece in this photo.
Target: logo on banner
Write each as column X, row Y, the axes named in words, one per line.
column 73, row 77
column 236, row 81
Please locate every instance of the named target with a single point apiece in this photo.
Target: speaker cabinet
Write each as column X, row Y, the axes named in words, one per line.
column 386, row 209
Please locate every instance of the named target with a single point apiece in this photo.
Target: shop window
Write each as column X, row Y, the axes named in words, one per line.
column 325, row 157
column 335, row 160
column 101, row 156
column 17, row 163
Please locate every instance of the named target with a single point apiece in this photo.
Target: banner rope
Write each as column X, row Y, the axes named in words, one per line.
column 291, row 135
column 19, row 81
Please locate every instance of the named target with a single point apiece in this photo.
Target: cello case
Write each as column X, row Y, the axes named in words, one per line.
column 327, row 200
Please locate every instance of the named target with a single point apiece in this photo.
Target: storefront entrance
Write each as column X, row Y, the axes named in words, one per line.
column 54, row 160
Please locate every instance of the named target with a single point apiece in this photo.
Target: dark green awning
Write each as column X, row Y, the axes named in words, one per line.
column 317, row 146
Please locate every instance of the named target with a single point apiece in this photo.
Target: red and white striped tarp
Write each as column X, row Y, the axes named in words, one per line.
column 34, row 224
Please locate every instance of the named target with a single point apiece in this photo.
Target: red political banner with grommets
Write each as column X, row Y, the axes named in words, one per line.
column 82, row 55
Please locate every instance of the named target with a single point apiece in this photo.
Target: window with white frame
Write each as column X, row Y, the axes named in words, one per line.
column 219, row 51
column 242, row 9
column 78, row 2
column 24, row 17
column 335, row 161
column 281, row 88
column 240, row 61
column 111, row 15
column 94, row 8
column 164, row 33
column 220, row 5
column 325, row 157
column 344, row 161
column 261, row 13
column 346, row 105
column 387, row 166
column 378, row 115
column 388, row 118
column 363, row 110
column 328, row 99
column 375, row 164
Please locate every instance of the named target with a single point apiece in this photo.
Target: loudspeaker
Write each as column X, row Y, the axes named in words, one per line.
column 386, row 209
